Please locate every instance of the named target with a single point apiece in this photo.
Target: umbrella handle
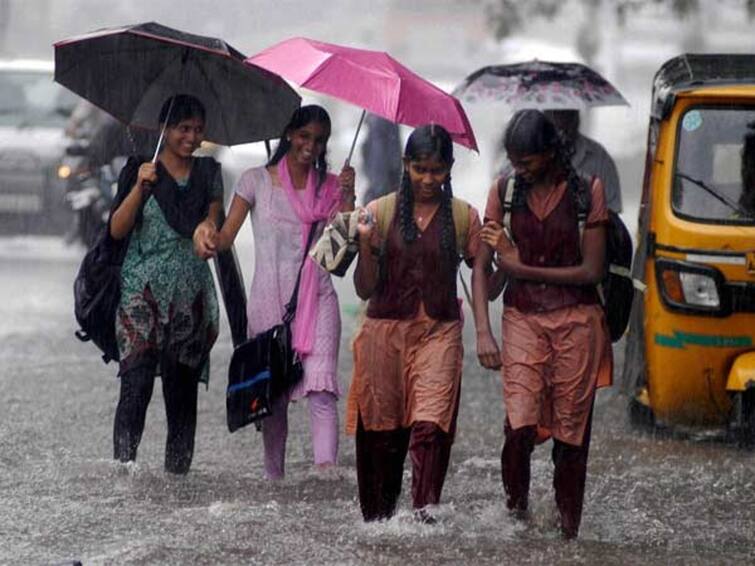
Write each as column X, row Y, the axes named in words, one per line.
column 159, row 144
column 356, row 135
column 162, row 131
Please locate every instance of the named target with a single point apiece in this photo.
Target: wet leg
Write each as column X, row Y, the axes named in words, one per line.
column 136, row 392
column 323, row 422
column 569, row 480
column 430, row 450
column 380, row 468
column 274, row 435
column 515, row 466
column 180, row 385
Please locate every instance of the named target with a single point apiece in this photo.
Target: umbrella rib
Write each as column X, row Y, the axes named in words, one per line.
column 217, row 96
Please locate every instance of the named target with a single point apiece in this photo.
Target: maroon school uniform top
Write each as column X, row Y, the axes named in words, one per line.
column 546, row 232
column 420, row 272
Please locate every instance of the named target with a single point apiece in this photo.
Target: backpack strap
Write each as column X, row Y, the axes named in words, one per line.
column 460, row 211
column 506, row 198
column 583, row 203
column 386, row 208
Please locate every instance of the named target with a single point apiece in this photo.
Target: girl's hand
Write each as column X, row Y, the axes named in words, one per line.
column 205, row 239
column 346, row 179
column 366, row 225
column 146, row 176
column 488, row 352
column 494, row 235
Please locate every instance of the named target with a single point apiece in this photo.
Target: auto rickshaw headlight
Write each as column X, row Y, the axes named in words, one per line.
column 692, row 288
column 699, row 290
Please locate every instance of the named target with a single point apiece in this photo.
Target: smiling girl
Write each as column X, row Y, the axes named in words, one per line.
column 167, row 319
column 404, row 393
column 284, row 199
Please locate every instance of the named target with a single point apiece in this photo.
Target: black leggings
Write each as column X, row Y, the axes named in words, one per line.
column 180, row 394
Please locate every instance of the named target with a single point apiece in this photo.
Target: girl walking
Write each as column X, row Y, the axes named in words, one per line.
column 404, row 394
column 556, row 346
column 167, row 319
column 284, row 199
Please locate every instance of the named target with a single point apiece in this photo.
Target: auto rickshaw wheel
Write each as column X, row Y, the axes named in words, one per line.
column 640, row 415
column 744, row 418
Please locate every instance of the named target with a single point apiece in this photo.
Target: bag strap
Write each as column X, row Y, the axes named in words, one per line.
column 506, row 198
column 291, row 305
column 386, row 208
column 583, row 203
column 460, row 212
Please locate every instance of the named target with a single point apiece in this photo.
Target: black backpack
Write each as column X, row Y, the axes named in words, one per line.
column 616, row 290
column 97, row 292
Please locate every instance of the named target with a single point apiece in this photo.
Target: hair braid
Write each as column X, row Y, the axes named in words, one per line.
column 564, row 153
column 448, row 232
column 407, row 224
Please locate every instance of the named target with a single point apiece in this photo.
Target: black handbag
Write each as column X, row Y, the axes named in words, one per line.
column 264, row 367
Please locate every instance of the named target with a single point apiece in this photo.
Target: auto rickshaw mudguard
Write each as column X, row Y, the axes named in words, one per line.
column 742, row 373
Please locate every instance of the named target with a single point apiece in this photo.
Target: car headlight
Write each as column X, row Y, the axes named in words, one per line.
column 692, row 287
column 64, row 171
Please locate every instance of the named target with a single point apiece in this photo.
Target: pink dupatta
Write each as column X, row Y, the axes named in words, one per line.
column 309, row 207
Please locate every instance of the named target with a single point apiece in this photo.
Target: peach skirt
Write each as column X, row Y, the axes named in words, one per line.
column 552, row 364
column 405, row 371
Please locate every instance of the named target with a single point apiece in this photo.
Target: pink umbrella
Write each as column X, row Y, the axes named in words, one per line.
column 372, row 80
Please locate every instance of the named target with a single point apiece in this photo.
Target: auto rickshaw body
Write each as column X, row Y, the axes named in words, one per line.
column 690, row 357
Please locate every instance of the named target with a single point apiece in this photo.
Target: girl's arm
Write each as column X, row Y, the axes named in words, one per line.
column 496, row 282
column 208, row 240
column 124, row 217
column 236, row 215
column 367, row 272
column 487, row 349
column 589, row 272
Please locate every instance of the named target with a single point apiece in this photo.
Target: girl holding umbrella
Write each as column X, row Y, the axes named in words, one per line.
column 285, row 198
column 404, row 394
column 556, row 346
column 167, row 319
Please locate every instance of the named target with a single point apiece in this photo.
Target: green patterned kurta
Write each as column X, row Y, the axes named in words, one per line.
column 168, row 303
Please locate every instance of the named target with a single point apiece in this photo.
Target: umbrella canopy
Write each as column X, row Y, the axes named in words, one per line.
column 130, row 71
column 372, row 80
column 541, row 85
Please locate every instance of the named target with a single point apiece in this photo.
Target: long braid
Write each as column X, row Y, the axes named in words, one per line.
column 564, row 154
column 321, row 166
column 448, row 231
column 408, row 226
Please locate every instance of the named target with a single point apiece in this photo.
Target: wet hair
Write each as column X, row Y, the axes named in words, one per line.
column 566, row 121
column 301, row 117
column 747, row 198
column 530, row 132
column 428, row 142
column 185, row 107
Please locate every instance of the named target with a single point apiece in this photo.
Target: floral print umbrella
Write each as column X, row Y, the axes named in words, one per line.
column 541, row 85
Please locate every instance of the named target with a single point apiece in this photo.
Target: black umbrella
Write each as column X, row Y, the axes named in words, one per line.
column 130, row 71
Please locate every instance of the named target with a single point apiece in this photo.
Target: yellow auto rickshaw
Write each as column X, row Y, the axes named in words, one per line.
column 689, row 357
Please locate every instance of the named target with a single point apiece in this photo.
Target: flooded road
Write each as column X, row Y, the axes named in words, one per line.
column 649, row 500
